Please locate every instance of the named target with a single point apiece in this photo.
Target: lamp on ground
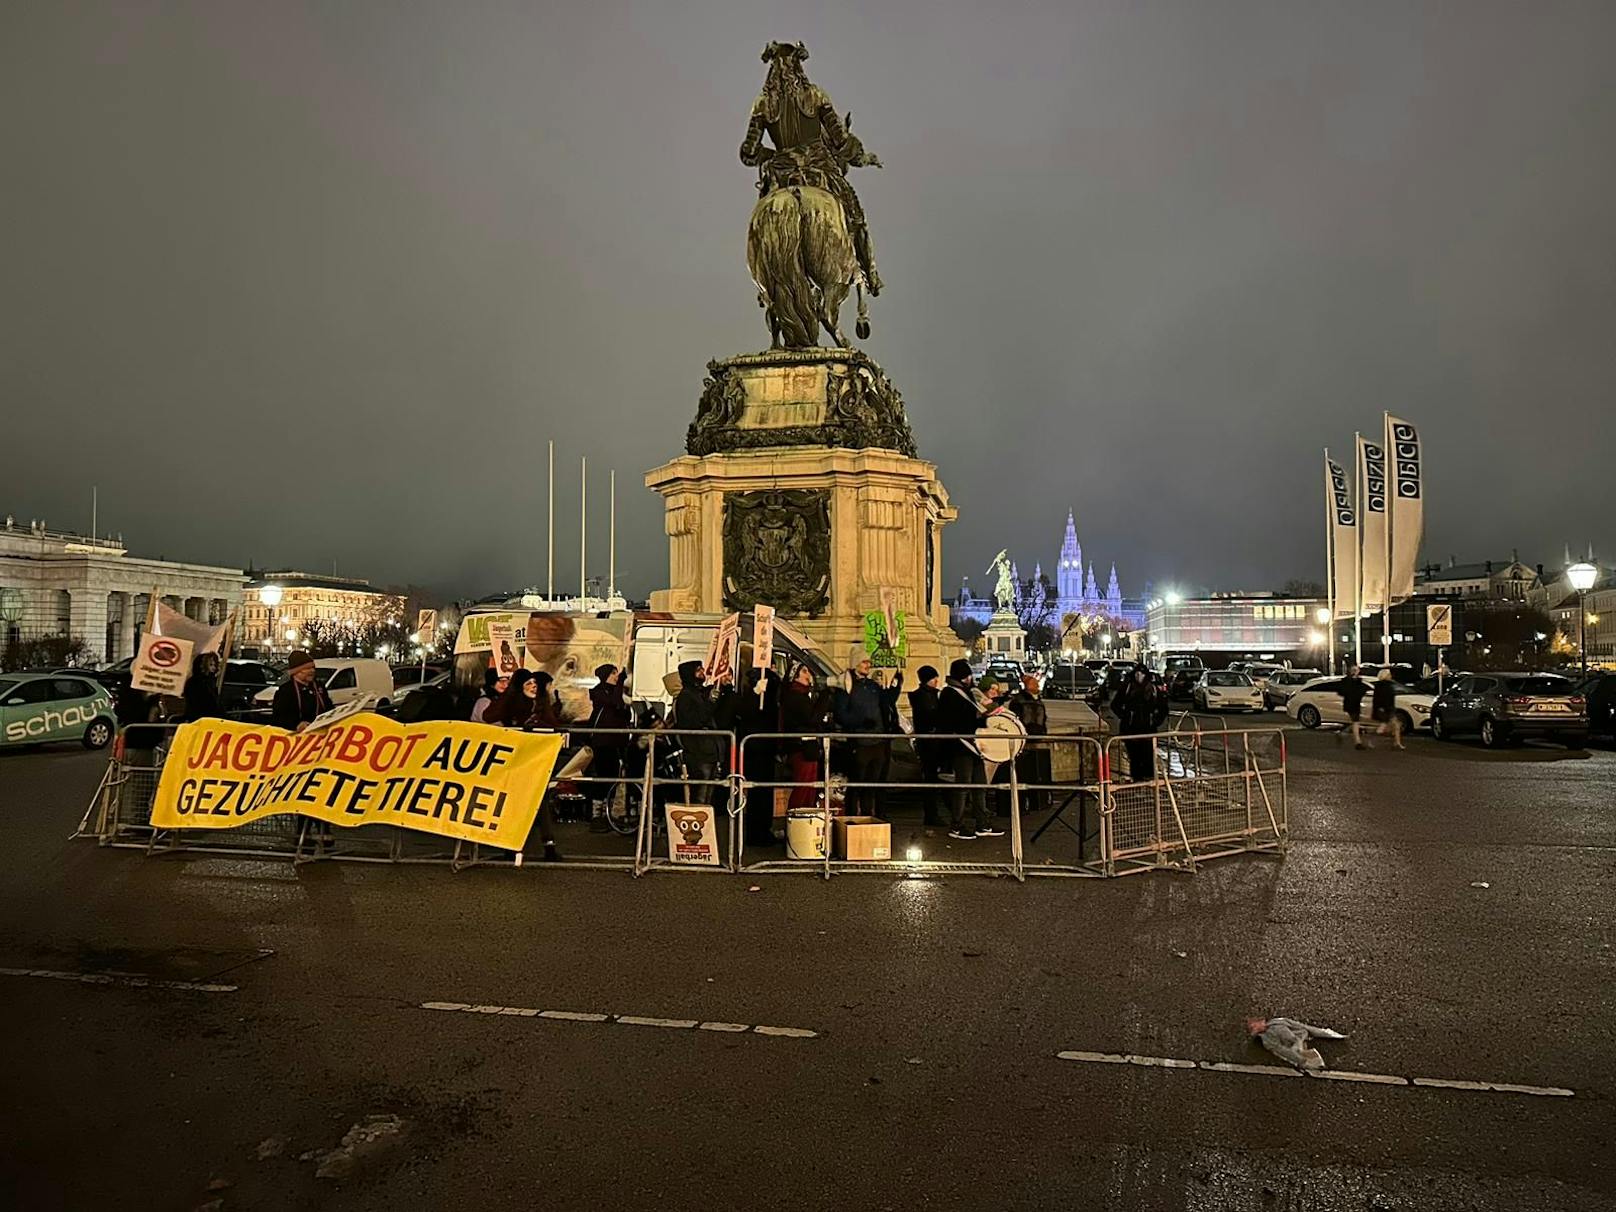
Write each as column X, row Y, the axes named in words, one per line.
column 1582, row 577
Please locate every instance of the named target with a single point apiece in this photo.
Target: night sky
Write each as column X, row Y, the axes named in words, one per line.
column 295, row 284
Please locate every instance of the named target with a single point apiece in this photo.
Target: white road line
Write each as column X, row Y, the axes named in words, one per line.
column 627, row 1020
column 125, row 979
column 1331, row 1075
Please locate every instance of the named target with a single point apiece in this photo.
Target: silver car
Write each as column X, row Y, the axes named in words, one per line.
column 1279, row 687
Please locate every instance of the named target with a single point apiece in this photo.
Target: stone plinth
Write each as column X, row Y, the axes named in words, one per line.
column 1004, row 637
column 801, row 490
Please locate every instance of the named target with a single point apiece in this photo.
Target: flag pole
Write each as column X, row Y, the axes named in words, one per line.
column 611, row 561
column 549, row 576
column 1391, row 496
column 1329, row 554
column 583, row 530
column 1363, row 498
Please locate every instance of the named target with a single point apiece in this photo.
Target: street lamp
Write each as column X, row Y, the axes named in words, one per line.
column 1582, row 577
column 270, row 596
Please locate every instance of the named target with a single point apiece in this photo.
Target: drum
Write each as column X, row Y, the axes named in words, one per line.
column 1001, row 738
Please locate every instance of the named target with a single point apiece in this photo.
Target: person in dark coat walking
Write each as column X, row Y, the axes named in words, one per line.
column 1383, row 706
column 756, row 716
column 202, row 689
column 861, row 709
column 301, row 697
column 932, row 755
column 1140, row 707
column 1353, row 690
column 959, row 713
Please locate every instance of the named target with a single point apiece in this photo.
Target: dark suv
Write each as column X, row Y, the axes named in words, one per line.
column 1599, row 692
column 1502, row 707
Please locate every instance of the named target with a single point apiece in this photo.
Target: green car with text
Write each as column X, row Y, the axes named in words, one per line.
column 39, row 707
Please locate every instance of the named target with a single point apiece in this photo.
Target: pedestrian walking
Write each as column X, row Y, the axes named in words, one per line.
column 1353, row 690
column 931, row 754
column 860, row 710
column 202, row 689
column 1140, row 707
column 1383, row 706
column 802, row 711
column 301, row 697
column 495, row 684
column 959, row 715
column 757, row 718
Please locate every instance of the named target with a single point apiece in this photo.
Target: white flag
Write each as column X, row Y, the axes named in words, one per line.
column 1372, row 502
column 1407, row 506
column 166, row 621
column 1343, row 523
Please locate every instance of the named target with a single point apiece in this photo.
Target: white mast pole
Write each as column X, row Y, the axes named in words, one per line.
column 1329, row 555
column 1363, row 505
column 583, row 530
column 611, row 562
column 549, row 578
column 1391, row 498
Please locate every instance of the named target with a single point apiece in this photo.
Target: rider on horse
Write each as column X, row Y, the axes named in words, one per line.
column 812, row 146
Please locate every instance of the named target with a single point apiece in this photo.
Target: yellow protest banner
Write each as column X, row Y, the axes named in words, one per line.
column 467, row 781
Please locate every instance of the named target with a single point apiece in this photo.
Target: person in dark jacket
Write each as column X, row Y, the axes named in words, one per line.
column 495, row 684
column 1383, row 706
column 755, row 717
column 930, row 754
column 607, row 709
column 1033, row 767
column 301, row 697
column 202, row 689
column 514, row 705
column 1140, row 707
column 959, row 714
column 802, row 711
column 694, row 709
column 861, row 709
column 1353, row 690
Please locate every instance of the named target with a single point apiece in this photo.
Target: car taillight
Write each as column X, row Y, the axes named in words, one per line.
column 1577, row 701
column 1518, row 700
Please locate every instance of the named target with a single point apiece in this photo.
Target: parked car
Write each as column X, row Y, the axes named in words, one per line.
column 1502, row 707
column 35, row 708
column 1598, row 691
column 344, row 679
column 1280, row 685
column 1070, row 682
column 413, row 675
column 242, row 681
column 1224, row 690
column 1319, row 702
column 1181, row 681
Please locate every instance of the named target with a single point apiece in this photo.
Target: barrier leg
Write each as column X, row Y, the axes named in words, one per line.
column 1015, row 826
column 642, row 835
column 824, row 776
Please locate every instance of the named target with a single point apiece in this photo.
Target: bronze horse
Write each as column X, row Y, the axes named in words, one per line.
column 802, row 259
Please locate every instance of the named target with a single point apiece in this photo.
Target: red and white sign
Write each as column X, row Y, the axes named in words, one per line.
column 162, row 665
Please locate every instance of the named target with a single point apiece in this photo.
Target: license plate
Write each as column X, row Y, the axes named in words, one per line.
column 1551, row 707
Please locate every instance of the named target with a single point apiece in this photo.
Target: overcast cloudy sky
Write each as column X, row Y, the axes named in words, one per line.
column 303, row 283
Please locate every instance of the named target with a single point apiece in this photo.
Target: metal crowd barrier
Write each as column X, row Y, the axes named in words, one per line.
column 1207, row 794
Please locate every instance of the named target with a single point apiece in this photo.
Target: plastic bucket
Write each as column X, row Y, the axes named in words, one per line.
column 805, row 836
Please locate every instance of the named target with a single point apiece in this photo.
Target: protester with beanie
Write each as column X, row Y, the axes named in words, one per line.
column 932, row 755
column 959, row 715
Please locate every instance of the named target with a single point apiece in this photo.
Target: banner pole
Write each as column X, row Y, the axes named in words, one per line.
column 1391, row 504
column 1329, row 554
column 1357, row 538
column 549, row 563
column 583, row 531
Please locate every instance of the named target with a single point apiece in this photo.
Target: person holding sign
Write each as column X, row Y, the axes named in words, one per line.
column 301, row 697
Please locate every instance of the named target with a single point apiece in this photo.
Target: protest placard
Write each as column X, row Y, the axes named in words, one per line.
column 161, row 665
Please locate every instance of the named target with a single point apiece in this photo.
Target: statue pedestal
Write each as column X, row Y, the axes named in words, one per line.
column 772, row 505
column 1004, row 637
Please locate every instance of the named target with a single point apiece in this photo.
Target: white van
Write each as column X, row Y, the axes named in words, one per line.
column 345, row 679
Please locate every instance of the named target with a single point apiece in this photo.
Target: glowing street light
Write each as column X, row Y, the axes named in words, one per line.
column 1174, row 597
column 1582, row 577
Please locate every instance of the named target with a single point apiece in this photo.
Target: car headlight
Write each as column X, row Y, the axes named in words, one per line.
column 1419, row 709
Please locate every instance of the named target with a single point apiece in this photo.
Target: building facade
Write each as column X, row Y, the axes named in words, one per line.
column 1079, row 589
column 55, row 583
column 1496, row 580
column 277, row 606
column 1258, row 626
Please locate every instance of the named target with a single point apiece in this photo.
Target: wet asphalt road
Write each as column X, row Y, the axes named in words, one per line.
column 939, row 1007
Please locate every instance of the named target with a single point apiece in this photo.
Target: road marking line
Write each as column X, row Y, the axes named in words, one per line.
column 129, row 981
column 627, row 1020
column 1333, row 1075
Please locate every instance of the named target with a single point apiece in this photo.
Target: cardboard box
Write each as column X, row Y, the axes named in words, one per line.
column 862, row 838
